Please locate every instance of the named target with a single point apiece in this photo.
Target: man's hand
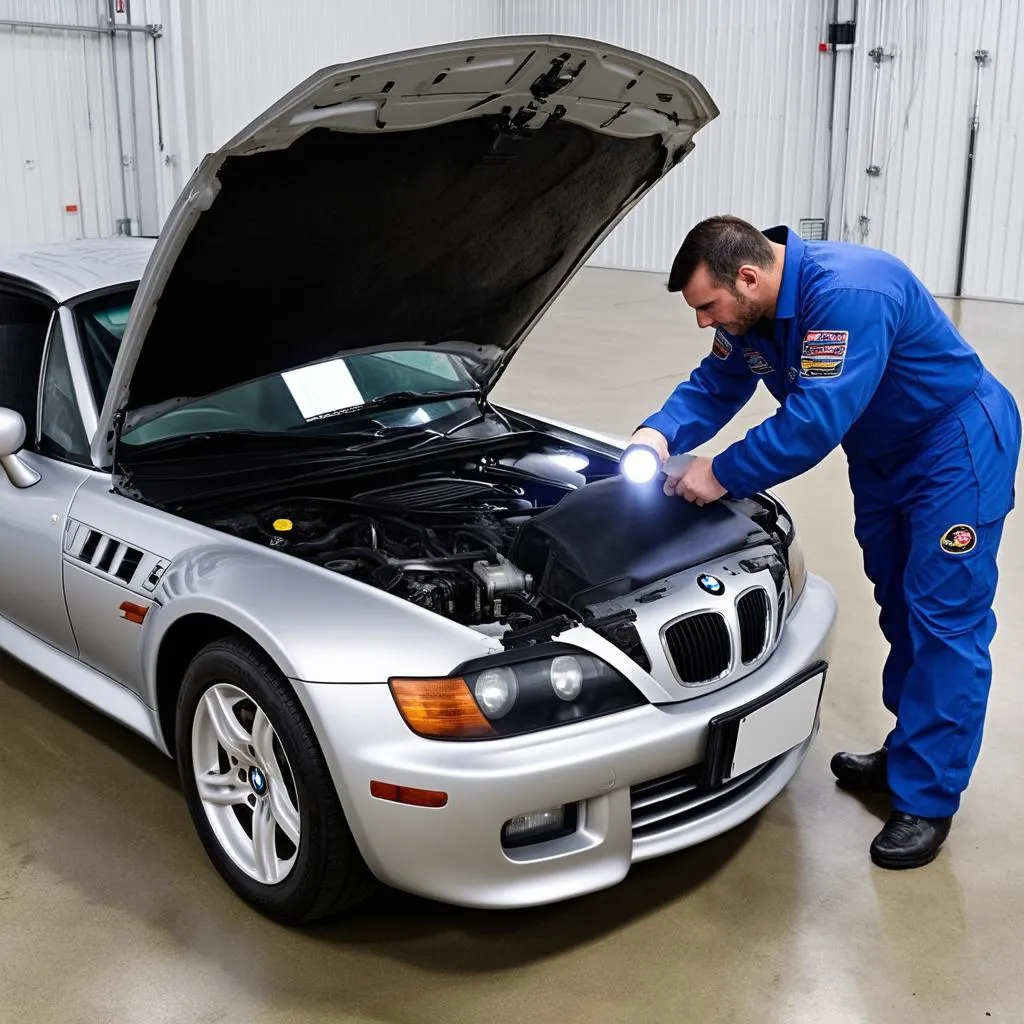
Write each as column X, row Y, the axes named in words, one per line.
column 653, row 439
column 697, row 483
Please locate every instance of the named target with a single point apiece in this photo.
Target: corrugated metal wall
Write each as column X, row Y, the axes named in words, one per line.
column 244, row 54
column 764, row 157
column 768, row 157
column 215, row 66
column 58, row 127
column 925, row 85
column 995, row 243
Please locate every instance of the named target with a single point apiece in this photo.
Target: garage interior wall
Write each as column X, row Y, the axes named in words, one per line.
column 65, row 122
column 912, row 105
column 100, row 132
column 762, row 158
column 767, row 157
column 242, row 55
column 868, row 141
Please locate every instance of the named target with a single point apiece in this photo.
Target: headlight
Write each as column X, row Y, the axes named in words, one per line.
column 785, row 529
column 797, row 565
column 496, row 691
column 566, row 676
column 514, row 693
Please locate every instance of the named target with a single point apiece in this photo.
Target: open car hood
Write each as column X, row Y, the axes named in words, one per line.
column 439, row 197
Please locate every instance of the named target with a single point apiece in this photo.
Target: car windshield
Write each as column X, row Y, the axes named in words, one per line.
column 101, row 323
column 330, row 397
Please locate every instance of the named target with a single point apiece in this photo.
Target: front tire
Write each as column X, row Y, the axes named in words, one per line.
column 258, row 789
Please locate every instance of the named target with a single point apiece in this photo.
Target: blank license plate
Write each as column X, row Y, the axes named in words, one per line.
column 741, row 740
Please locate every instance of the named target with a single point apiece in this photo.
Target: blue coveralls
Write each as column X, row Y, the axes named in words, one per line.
column 860, row 354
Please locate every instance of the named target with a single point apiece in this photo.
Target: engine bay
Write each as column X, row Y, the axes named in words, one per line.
column 439, row 541
column 517, row 542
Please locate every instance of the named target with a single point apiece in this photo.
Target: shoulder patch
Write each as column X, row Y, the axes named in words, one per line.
column 721, row 347
column 959, row 539
column 823, row 353
column 756, row 361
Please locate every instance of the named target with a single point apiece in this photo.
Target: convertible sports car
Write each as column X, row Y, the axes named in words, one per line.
column 258, row 505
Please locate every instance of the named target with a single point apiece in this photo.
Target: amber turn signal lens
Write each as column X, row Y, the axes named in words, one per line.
column 440, row 708
column 134, row 612
column 408, row 794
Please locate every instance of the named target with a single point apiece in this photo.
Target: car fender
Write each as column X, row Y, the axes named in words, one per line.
column 316, row 625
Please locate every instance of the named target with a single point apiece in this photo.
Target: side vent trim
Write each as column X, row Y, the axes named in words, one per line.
column 103, row 554
column 92, row 542
column 129, row 564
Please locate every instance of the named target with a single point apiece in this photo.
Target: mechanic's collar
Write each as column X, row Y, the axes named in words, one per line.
column 785, row 305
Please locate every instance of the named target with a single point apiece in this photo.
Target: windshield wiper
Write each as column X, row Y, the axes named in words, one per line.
column 256, row 441
column 396, row 400
column 310, row 436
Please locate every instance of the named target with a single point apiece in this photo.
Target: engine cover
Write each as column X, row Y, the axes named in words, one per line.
column 612, row 536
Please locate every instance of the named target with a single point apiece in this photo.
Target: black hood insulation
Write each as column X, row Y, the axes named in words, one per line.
column 612, row 537
column 342, row 241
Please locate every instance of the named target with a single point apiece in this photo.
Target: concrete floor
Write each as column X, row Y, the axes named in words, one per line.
column 109, row 910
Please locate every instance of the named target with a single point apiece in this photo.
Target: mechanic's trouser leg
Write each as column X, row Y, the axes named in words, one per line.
column 941, row 714
column 935, row 585
column 880, row 532
column 954, row 496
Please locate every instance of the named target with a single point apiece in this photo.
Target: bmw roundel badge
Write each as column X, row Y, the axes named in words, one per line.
column 257, row 780
column 711, row 585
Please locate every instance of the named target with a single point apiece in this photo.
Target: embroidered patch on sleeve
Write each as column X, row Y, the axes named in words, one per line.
column 757, row 362
column 721, row 347
column 823, row 353
column 959, row 539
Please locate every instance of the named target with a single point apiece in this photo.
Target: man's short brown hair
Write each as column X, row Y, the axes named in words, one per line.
column 723, row 245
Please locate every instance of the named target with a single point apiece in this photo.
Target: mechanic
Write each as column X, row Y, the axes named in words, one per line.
column 859, row 354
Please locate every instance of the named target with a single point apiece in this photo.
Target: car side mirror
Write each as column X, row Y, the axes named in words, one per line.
column 12, row 437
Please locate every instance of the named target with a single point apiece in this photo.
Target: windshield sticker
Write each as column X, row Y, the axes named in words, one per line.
column 823, row 354
column 323, row 389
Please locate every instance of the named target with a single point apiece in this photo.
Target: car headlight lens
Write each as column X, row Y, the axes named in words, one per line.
column 496, row 691
column 566, row 676
column 513, row 693
column 785, row 530
column 797, row 565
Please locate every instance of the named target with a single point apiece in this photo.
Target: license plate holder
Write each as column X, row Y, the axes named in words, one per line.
column 746, row 737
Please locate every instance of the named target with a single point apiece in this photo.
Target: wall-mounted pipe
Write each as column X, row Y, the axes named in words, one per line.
column 981, row 59
column 878, row 54
column 104, row 30
column 831, row 120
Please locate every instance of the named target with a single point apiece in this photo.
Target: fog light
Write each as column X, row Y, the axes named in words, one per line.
column 640, row 464
column 539, row 826
column 496, row 691
column 566, row 676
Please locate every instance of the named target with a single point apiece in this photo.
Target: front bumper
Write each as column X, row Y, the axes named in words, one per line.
column 631, row 775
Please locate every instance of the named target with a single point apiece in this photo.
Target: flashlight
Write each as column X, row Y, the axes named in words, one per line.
column 640, row 464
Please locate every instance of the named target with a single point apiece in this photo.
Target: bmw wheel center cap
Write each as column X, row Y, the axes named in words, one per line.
column 710, row 584
column 258, row 781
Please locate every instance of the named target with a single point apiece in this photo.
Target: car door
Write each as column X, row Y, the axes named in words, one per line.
column 108, row 576
column 33, row 519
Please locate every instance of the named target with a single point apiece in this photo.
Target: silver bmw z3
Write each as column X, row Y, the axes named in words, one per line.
column 258, row 506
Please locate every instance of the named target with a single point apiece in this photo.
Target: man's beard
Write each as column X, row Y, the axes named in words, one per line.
column 747, row 314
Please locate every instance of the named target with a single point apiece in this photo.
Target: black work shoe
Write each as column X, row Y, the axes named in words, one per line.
column 861, row 771
column 908, row 841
